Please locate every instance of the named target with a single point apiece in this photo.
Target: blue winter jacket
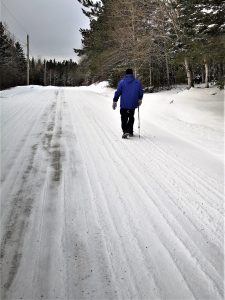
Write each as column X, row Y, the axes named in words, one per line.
column 130, row 91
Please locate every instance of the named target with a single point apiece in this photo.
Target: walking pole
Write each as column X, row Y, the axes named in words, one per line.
column 139, row 125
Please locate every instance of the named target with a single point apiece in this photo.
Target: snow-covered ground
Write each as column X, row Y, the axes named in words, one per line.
column 86, row 214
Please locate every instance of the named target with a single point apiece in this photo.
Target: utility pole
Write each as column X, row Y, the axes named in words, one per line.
column 28, row 61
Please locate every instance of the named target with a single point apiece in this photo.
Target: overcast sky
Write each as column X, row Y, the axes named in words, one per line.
column 53, row 25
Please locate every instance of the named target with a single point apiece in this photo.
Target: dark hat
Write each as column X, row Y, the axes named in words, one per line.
column 129, row 71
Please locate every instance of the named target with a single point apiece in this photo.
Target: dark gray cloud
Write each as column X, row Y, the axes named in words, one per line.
column 53, row 25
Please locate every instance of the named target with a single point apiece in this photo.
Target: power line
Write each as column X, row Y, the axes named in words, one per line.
column 14, row 37
column 10, row 43
column 13, row 16
column 11, row 40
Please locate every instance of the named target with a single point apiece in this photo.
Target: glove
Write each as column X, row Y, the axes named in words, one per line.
column 114, row 105
column 139, row 102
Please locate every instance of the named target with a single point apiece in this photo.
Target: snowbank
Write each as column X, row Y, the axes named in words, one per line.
column 196, row 114
column 99, row 87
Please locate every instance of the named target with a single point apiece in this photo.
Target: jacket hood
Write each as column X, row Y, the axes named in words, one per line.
column 129, row 78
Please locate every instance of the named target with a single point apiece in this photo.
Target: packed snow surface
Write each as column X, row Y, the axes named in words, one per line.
column 86, row 214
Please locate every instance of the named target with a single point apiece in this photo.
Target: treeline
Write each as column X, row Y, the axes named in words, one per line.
column 50, row 72
column 166, row 42
column 13, row 66
column 12, row 61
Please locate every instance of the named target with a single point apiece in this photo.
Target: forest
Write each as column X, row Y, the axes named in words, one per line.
column 13, row 66
column 166, row 42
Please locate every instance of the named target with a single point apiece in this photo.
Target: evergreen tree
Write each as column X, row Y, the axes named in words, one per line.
column 20, row 62
column 156, row 37
column 12, row 61
column 197, row 31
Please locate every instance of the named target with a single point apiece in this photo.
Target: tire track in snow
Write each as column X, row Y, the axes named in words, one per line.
column 177, row 234
column 102, row 129
column 51, row 137
column 207, row 193
column 177, row 181
column 147, row 261
column 209, row 183
column 16, row 222
column 109, row 221
column 191, row 194
column 83, row 232
column 168, row 155
column 13, row 117
column 23, row 144
column 49, row 277
column 162, row 164
column 97, row 231
column 14, row 228
column 216, row 257
column 190, row 175
column 210, row 180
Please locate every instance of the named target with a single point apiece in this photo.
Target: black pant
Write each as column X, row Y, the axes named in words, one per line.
column 127, row 119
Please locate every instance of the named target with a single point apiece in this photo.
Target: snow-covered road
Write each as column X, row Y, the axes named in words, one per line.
column 86, row 214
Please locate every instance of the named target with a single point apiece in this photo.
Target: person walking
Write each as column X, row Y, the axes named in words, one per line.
column 130, row 92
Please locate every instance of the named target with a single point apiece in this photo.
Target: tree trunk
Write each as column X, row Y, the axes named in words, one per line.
column 220, row 80
column 203, row 75
column 54, row 78
column 167, row 71
column 206, row 74
column 150, row 71
column 189, row 73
